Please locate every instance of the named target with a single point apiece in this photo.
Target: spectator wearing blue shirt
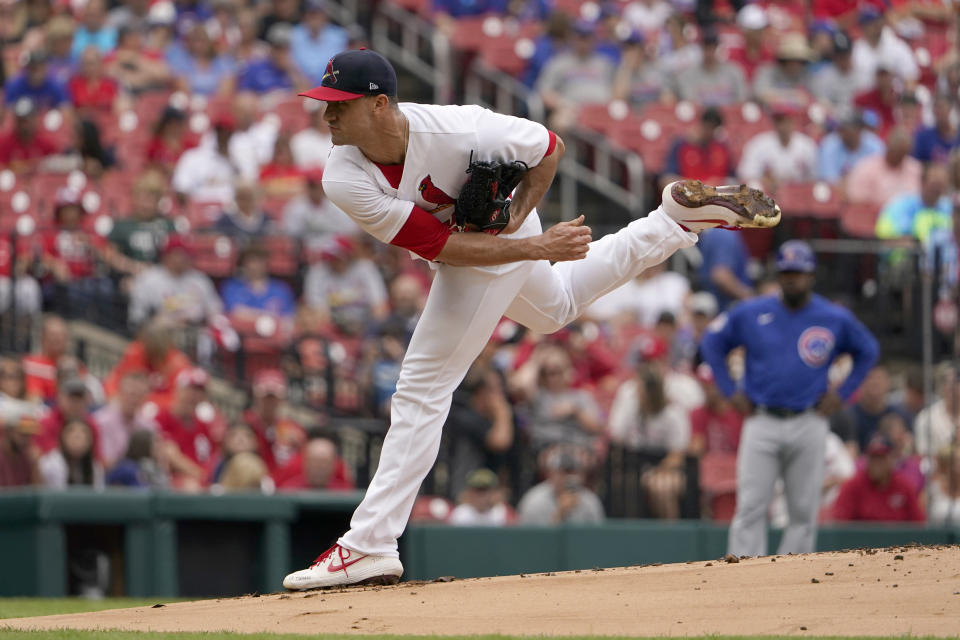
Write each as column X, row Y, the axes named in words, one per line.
column 934, row 144
column 275, row 72
column 314, row 41
column 35, row 82
column 196, row 64
column 723, row 271
column 919, row 215
column 789, row 341
column 846, row 146
column 467, row 8
column 253, row 291
column 93, row 30
column 553, row 41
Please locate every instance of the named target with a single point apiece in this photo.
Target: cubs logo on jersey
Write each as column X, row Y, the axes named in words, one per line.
column 434, row 194
column 815, row 346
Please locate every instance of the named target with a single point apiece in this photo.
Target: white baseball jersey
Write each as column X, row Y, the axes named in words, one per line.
column 411, row 205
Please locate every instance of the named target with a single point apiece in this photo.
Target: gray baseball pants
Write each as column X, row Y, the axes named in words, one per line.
column 771, row 447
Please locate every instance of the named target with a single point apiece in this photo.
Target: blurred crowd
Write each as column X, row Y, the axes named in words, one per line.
column 158, row 177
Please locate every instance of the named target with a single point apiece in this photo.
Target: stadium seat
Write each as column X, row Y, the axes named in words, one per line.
column 213, row 254
column 859, row 220
column 284, row 256
column 202, row 215
column 814, row 200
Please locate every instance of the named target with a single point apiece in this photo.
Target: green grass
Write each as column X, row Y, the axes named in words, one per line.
column 29, row 607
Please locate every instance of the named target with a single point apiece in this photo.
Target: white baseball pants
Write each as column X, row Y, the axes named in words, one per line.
column 463, row 308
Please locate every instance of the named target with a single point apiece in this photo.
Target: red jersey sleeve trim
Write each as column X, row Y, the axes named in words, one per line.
column 422, row 233
column 551, row 142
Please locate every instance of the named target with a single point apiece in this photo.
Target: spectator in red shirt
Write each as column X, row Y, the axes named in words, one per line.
column 70, row 252
column 714, row 437
column 41, row 368
column 281, row 177
column 702, row 156
column 170, row 139
column 91, row 90
column 755, row 50
column 154, row 353
column 879, row 492
column 318, row 467
column 882, row 100
column 279, row 439
column 185, row 427
column 73, row 403
column 23, row 147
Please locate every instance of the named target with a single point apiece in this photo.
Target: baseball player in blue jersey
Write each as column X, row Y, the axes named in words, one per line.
column 790, row 341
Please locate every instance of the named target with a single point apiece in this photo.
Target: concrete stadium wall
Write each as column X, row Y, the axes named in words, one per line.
column 200, row 545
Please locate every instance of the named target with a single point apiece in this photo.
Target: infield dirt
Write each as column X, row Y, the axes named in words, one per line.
column 887, row 592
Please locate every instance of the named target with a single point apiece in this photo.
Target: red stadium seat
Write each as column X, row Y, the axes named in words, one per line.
column 814, row 200
column 292, row 114
column 215, row 255
column 283, row 256
column 859, row 220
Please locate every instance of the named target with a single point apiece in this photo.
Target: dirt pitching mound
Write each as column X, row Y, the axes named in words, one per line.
column 903, row 590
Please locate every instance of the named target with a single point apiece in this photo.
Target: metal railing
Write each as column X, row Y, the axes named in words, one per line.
column 412, row 43
column 417, row 47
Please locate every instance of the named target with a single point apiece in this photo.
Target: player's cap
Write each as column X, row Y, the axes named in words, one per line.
column 783, row 109
column 712, row 116
column 703, row 303
column 796, row 255
column 868, row 14
column 794, row 47
column 355, row 74
column 879, row 446
column 73, row 385
column 482, row 480
column 850, row 117
column 270, row 382
column 710, row 37
column 841, row 43
column 35, row 57
column 224, row 119
column 340, row 247
column 192, row 377
column 176, row 242
column 752, row 17
column 651, row 347
column 584, row 28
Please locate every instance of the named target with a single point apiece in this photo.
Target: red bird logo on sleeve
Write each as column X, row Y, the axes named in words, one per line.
column 434, row 194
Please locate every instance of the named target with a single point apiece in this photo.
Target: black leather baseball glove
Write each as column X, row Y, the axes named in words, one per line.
column 484, row 202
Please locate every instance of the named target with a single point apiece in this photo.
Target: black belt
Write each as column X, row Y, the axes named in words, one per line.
column 781, row 412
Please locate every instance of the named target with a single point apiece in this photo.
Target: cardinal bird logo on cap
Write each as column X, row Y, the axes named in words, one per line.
column 329, row 76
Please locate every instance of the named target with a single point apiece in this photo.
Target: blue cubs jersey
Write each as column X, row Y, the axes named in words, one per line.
column 788, row 352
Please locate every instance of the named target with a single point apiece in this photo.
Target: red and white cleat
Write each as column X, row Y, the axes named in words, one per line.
column 696, row 206
column 339, row 566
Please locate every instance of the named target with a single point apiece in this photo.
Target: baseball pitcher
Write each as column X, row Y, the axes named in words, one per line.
column 439, row 181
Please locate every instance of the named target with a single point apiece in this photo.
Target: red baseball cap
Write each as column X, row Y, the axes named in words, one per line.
column 355, row 74
column 176, row 242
